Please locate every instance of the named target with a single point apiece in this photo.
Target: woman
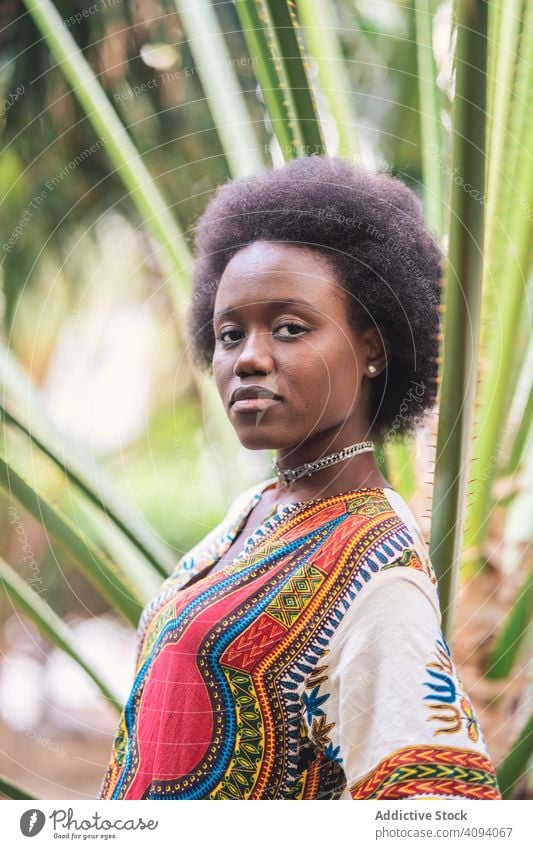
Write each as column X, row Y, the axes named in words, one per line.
column 296, row 652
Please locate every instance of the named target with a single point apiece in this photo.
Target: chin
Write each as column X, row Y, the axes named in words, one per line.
column 261, row 437
column 259, row 441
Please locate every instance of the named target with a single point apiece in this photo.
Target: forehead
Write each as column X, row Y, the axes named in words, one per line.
column 263, row 272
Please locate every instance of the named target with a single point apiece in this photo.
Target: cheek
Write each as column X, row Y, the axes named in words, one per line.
column 332, row 365
column 311, row 384
column 334, row 378
column 222, row 366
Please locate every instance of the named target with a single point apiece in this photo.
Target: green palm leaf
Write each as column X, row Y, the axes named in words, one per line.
column 13, row 791
column 323, row 45
column 429, row 98
column 100, row 493
column 176, row 257
column 508, row 258
column 98, row 490
column 220, row 83
column 51, row 626
column 276, row 102
column 499, row 101
column 78, row 467
column 120, row 149
column 522, row 436
column 271, row 31
column 463, row 277
column 515, row 763
column 112, row 581
column 513, row 632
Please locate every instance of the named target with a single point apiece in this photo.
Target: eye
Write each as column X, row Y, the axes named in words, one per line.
column 223, row 333
column 293, row 331
column 293, row 326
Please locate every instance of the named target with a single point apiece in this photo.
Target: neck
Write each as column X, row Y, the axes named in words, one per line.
column 352, row 473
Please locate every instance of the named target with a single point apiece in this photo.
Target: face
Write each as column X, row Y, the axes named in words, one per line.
column 281, row 329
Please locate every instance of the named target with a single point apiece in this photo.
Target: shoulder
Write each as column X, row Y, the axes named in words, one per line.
column 382, row 551
column 381, row 529
column 394, row 616
column 401, row 598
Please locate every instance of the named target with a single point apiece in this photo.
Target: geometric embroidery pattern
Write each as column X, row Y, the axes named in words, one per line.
column 240, row 778
column 296, row 595
column 429, row 770
column 247, row 648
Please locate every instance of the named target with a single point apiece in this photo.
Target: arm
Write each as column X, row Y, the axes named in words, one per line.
column 404, row 726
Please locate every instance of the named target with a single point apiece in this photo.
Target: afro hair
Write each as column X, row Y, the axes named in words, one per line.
column 371, row 228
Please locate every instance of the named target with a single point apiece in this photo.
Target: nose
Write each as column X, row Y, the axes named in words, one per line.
column 255, row 355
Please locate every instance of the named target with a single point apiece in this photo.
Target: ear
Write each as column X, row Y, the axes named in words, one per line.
column 377, row 350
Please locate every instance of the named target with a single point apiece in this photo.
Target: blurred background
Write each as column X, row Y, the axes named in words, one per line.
column 118, row 120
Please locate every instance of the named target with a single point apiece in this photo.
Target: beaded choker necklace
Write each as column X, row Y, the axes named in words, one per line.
column 287, row 476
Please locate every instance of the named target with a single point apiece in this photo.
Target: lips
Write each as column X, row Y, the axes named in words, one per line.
column 253, row 391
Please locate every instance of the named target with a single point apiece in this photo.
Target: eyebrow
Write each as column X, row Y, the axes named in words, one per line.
column 279, row 302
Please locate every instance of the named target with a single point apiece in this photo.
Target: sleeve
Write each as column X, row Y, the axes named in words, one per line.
column 403, row 724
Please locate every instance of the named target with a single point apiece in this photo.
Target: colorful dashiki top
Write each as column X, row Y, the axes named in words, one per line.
column 312, row 666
